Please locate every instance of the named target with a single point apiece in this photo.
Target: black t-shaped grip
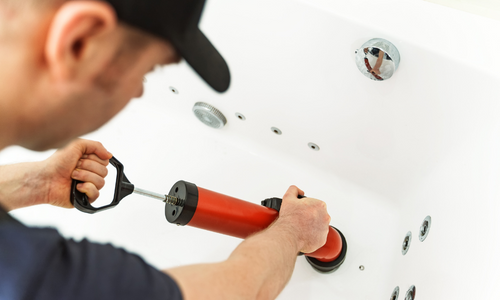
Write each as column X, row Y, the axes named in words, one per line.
column 123, row 188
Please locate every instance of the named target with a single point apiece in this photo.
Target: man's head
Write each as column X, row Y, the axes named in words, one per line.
column 69, row 66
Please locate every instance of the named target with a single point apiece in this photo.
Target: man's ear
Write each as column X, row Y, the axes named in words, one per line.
column 78, row 39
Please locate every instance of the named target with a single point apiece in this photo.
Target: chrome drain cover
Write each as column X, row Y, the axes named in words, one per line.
column 209, row 115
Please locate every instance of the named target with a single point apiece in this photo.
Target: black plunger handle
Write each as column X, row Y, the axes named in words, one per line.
column 123, row 188
column 275, row 203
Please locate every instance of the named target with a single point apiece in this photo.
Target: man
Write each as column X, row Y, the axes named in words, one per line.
column 67, row 67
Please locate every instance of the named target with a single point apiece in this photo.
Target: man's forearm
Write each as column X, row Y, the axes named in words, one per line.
column 269, row 258
column 258, row 268
column 19, row 184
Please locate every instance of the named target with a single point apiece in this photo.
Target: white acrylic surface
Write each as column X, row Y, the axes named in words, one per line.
column 425, row 142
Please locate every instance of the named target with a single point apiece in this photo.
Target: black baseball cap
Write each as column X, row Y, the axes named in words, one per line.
column 177, row 21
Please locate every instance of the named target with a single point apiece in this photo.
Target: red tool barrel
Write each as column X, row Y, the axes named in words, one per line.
column 220, row 213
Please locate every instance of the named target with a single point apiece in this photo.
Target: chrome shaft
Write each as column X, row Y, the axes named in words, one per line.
column 165, row 198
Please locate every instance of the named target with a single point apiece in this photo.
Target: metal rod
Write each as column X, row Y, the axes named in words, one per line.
column 165, row 198
column 149, row 194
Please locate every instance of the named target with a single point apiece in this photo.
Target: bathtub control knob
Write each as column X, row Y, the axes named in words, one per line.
column 209, row 115
column 377, row 59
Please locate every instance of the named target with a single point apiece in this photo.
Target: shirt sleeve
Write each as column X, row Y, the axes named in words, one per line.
column 40, row 264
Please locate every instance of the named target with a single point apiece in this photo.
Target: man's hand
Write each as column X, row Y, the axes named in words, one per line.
column 81, row 160
column 49, row 181
column 261, row 266
column 306, row 217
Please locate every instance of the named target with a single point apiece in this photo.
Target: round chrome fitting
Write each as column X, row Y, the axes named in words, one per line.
column 276, row 130
column 406, row 243
column 378, row 59
column 173, row 90
column 425, row 228
column 240, row 116
column 410, row 294
column 313, row 146
column 395, row 294
column 209, row 115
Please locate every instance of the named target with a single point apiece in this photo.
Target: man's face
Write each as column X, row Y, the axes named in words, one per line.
column 124, row 79
column 71, row 67
column 86, row 107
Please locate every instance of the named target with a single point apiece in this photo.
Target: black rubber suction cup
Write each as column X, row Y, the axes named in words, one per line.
column 332, row 266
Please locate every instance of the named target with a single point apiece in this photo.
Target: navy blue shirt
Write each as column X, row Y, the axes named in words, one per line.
column 38, row 263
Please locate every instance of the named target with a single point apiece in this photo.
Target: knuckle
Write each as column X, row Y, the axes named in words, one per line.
column 81, row 188
column 84, row 188
column 89, row 187
column 98, row 182
column 83, row 163
column 94, row 196
column 101, row 184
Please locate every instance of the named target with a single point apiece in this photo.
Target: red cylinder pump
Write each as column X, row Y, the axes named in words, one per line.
column 216, row 212
column 190, row 205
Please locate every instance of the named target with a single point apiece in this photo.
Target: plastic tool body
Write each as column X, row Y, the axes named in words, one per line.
column 123, row 188
column 187, row 204
column 216, row 212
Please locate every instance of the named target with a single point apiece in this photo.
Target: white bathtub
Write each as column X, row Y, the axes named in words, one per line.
column 425, row 142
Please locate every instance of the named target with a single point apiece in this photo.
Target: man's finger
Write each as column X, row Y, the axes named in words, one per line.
column 294, row 191
column 86, row 176
column 93, row 157
column 92, row 166
column 92, row 147
column 89, row 189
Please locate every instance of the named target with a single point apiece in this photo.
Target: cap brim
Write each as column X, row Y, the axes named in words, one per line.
column 202, row 56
